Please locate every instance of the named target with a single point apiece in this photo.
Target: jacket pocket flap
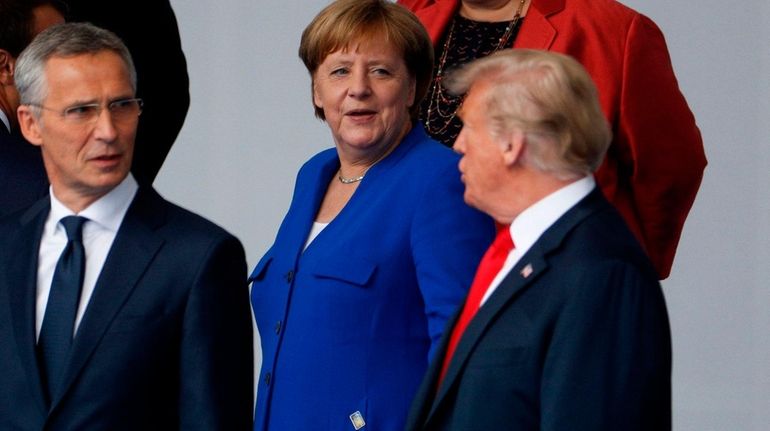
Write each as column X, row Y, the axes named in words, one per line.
column 349, row 269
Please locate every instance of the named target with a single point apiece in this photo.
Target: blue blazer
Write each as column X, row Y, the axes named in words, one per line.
column 165, row 343
column 349, row 324
column 576, row 337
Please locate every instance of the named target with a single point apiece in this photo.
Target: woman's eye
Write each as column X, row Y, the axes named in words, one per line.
column 381, row 71
column 339, row 71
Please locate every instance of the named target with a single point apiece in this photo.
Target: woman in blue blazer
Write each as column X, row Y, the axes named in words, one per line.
column 378, row 248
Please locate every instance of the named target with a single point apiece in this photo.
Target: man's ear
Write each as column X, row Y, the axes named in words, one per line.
column 7, row 63
column 29, row 125
column 514, row 147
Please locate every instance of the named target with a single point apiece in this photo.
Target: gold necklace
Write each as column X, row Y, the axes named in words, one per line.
column 438, row 96
column 352, row 180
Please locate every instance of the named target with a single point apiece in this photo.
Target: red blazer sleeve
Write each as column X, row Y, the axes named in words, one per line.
column 658, row 133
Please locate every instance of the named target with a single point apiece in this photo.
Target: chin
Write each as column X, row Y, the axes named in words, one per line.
column 468, row 198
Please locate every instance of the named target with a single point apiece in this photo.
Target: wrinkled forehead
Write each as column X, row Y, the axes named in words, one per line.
column 365, row 41
column 102, row 62
column 103, row 72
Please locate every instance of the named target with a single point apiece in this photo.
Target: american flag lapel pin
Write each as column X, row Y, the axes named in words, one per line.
column 527, row 270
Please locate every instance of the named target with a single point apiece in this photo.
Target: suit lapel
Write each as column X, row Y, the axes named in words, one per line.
column 22, row 256
column 306, row 202
column 524, row 273
column 132, row 252
column 536, row 31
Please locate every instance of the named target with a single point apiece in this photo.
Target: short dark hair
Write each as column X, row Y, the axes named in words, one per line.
column 17, row 22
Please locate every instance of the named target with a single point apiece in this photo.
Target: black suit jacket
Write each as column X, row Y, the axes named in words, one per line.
column 164, row 344
column 575, row 338
column 22, row 175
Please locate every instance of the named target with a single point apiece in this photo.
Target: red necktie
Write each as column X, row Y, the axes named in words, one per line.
column 490, row 265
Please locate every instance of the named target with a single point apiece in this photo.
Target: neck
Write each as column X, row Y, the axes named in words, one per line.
column 77, row 201
column 521, row 192
column 492, row 10
column 355, row 163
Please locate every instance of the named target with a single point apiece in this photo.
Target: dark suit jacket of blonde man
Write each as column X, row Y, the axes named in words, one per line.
column 576, row 337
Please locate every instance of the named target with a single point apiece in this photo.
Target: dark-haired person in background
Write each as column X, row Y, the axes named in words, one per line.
column 22, row 175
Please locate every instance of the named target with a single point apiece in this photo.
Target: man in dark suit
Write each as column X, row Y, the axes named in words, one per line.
column 22, row 175
column 565, row 325
column 118, row 309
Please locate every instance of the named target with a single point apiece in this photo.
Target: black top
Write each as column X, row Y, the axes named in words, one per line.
column 464, row 41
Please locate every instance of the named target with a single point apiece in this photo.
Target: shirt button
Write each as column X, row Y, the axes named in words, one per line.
column 267, row 379
column 289, row 277
column 277, row 327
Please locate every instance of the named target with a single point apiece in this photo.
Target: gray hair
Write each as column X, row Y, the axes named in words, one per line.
column 63, row 40
column 551, row 98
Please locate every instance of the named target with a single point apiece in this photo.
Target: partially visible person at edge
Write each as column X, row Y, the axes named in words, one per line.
column 655, row 164
column 377, row 249
column 22, row 175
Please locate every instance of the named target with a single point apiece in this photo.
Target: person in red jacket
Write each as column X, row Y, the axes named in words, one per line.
column 655, row 163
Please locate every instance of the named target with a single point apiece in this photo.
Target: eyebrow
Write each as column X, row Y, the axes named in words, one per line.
column 97, row 102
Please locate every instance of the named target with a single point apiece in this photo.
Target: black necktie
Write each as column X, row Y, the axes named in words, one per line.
column 59, row 321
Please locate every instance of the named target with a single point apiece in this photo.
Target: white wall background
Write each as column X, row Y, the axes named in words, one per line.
column 251, row 125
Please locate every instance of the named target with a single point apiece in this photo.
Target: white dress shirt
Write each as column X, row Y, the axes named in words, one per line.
column 314, row 231
column 527, row 228
column 104, row 218
column 4, row 120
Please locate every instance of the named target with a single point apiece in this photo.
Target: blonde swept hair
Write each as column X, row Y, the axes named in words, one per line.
column 550, row 97
column 346, row 21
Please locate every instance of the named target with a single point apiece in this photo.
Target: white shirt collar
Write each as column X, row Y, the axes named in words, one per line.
column 107, row 211
column 532, row 222
column 5, row 120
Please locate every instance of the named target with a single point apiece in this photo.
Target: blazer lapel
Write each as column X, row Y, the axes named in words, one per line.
column 438, row 17
column 536, row 31
column 524, row 273
column 22, row 257
column 306, row 203
column 132, row 252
